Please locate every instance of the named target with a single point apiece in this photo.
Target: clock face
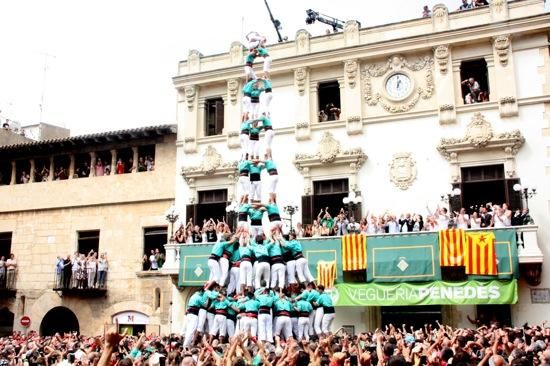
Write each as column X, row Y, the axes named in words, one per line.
column 398, row 86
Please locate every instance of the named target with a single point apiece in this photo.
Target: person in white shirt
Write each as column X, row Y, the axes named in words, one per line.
column 462, row 219
column 153, row 261
column 442, row 218
column 475, row 221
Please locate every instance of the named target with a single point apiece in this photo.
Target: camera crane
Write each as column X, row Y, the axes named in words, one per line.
column 276, row 22
column 313, row 16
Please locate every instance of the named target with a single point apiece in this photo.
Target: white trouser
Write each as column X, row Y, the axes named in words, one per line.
column 256, row 190
column 276, row 225
column 202, row 320
column 302, row 269
column 256, row 230
column 234, row 275
column 253, row 148
column 319, row 313
column 294, row 322
column 283, row 327
column 244, row 139
column 272, row 181
column 220, row 325
column 249, row 72
column 254, row 110
column 262, row 273
column 210, row 319
column 247, row 101
column 249, row 324
column 265, row 101
column 265, row 328
column 230, row 327
column 224, row 270
column 244, row 184
column 215, row 271
column 303, row 328
column 245, row 274
column 311, row 329
column 327, row 322
column 191, row 324
column 242, row 225
column 269, row 138
column 267, row 63
column 291, row 272
column 278, row 275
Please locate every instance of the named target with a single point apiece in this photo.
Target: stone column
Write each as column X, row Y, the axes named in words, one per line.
column 52, row 169
column 200, row 117
column 343, row 102
column 303, row 102
column 93, row 158
column 136, row 157
column 504, row 91
column 13, row 179
column 113, row 160
column 491, row 78
column 71, row 166
column 313, row 102
column 31, row 172
column 443, row 78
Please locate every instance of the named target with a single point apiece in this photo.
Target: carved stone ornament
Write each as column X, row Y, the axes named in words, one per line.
column 211, row 164
column 190, row 93
column 236, row 53
column 300, row 75
column 479, row 134
column 441, row 54
column 233, row 90
column 351, row 32
column 350, row 70
column 193, row 60
column 502, row 47
column 398, row 63
column 329, row 148
column 302, row 41
column 498, row 5
column 440, row 18
column 402, row 170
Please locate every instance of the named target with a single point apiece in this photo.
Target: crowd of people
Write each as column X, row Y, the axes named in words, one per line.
column 473, row 92
column 8, row 271
column 465, row 5
column 439, row 345
column 81, row 271
column 153, row 261
column 330, row 113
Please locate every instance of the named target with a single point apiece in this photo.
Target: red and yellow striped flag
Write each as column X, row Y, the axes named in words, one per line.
column 326, row 273
column 451, row 248
column 354, row 252
column 480, row 256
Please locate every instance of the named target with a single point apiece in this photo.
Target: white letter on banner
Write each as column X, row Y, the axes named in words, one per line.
column 423, row 292
column 459, row 293
column 494, row 292
column 352, row 295
column 482, row 292
column 469, row 292
column 447, row 293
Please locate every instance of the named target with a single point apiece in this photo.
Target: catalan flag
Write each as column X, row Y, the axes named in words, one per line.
column 326, row 273
column 354, row 252
column 451, row 248
column 480, row 256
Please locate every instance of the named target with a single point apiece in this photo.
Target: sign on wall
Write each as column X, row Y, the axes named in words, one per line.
column 540, row 296
column 131, row 317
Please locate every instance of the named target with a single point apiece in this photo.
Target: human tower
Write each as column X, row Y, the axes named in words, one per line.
column 260, row 282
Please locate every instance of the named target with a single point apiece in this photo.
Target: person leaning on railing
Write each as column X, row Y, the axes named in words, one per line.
column 11, row 268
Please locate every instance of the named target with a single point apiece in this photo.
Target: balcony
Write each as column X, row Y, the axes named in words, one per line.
column 7, row 285
column 80, row 286
column 517, row 250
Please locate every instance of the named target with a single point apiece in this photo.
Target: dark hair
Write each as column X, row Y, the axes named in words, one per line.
column 397, row 360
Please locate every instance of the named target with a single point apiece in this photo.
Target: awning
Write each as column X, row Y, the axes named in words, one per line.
column 429, row 293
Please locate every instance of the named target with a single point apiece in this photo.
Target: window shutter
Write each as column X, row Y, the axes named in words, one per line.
column 307, row 210
column 191, row 212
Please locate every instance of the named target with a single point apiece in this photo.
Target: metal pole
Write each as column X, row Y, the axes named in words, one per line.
column 276, row 24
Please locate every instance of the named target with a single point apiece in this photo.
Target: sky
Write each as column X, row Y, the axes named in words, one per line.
column 109, row 64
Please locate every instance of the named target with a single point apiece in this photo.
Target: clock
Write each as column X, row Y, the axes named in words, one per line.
column 398, row 86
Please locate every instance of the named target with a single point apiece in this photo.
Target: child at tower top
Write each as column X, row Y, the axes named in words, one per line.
column 256, row 46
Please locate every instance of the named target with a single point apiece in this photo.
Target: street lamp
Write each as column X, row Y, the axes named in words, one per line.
column 290, row 210
column 526, row 192
column 172, row 216
column 453, row 192
column 232, row 211
column 352, row 200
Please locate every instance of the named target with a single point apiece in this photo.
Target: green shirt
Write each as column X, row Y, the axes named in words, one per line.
column 221, row 305
column 244, row 165
column 260, row 250
column 313, row 295
column 256, row 168
column 330, row 222
column 250, row 90
column 282, row 305
column 274, row 250
column 250, row 305
column 304, row 306
column 270, row 165
column 196, row 300
column 266, row 122
column 294, row 246
column 324, row 300
column 245, row 126
column 245, row 252
column 262, row 51
column 272, row 209
column 255, row 214
column 219, row 248
column 266, row 300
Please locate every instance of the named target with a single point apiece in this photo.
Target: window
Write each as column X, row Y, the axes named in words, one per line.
column 125, row 161
column 214, row 117
column 23, row 169
column 474, row 81
column 212, row 204
column 146, row 158
column 41, row 169
column 5, row 173
column 61, row 167
column 88, row 241
column 82, row 165
column 103, row 163
column 329, row 193
column 154, row 238
column 5, row 245
column 329, row 101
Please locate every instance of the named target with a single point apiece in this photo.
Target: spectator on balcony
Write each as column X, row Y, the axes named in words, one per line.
column 353, row 226
column 426, row 12
column 479, row 3
column 43, row 175
column 141, row 165
column 160, row 258
column 81, row 274
column 392, row 226
column 2, row 271
column 91, row 267
column 299, row 231
column 475, row 220
column 60, row 173
column 406, row 224
column 332, row 112
column 474, row 89
column 462, row 219
column 196, row 235
column 25, row 178
column 307, row 231
column 341, row 224
column 120, row 169
column 107, row 169
column 67, row 270
column 59, row 265
column 149, row 163
column 486, row 217
column 324, row 230
column 209, row 231
column 11, row 268
column 102, row 268
column 145, row 264
column 99, row 168
column 153, row 261
column 465, row 5
column 323, row 117
column 180, row 236
column 502, row 216
column 83, row 170
column 315, row 229
column 130, row 167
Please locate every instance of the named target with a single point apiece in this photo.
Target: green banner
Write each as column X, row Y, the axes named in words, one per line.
column 403, row 257
column 431, row 293
column 507, row 256
column 328, row 249
column 194, row 270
